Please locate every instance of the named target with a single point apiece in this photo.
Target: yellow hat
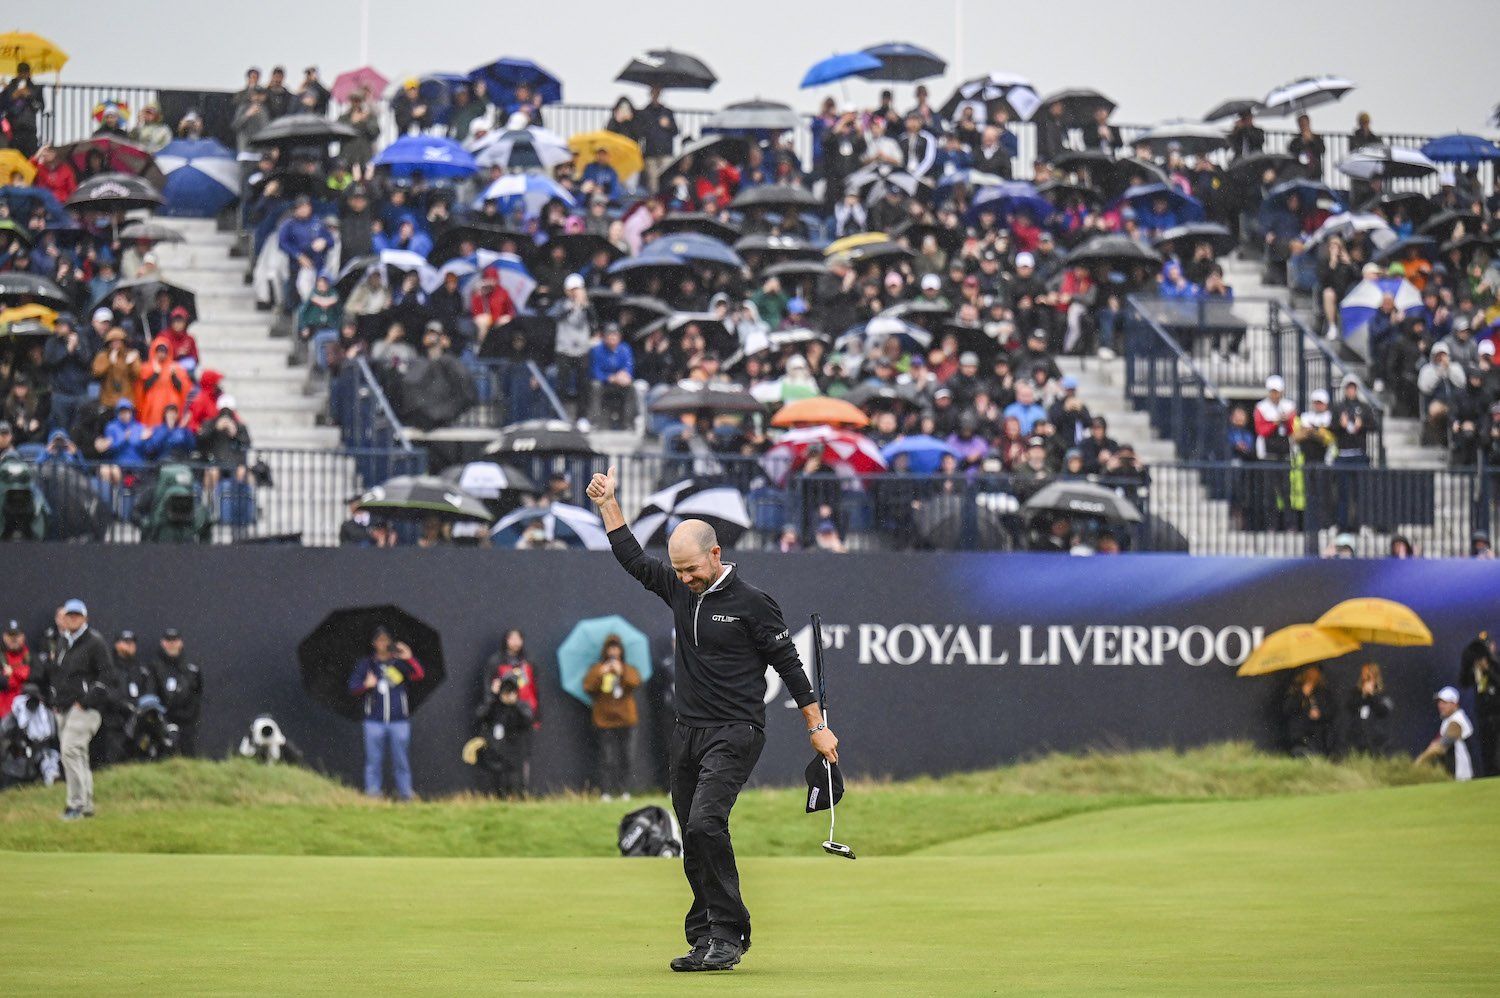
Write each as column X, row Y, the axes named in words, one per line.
column 471, row 750
column 411, row 82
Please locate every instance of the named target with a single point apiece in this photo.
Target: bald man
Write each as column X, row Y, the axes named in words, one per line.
column 728, row 632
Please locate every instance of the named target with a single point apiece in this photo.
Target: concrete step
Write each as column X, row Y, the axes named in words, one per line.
column 320, row 438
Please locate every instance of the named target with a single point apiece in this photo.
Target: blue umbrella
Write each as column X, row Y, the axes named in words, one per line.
column 503, row 76
column 1010, row 197
column 534, row 191
column 839, row 67
column 1363, row 301
column 580, row 651
column 693, row 246
column 437, row 89
column 202, row 177
column 22, row 199
column 1308, row 190
column 926, row 452
column 432, row 155
column 626, row 264
column 1461, row 148
column 1142, row 197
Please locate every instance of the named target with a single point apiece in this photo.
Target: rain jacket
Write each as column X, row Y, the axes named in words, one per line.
column 298, row 235
column 386, row 701
column 204, row 405
column 127, row 441
column 175, row 483
column 20, row 671
column 118, row 376
column 160, row 388
column 613, row 696
column 170, row 443
column 70, row 370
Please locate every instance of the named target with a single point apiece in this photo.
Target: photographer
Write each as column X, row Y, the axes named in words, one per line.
column 181, row 684
column 504, row 721
column 381, row 680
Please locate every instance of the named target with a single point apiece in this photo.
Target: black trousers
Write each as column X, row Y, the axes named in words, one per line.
column 709, row 766
column 614, row 759
column 187, row 739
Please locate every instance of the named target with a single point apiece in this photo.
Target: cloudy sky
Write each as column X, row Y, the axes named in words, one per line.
column 1421, row 68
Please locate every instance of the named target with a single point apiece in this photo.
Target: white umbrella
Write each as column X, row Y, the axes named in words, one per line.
column 1396, row 161
column 586, row 526
column 487, row 479
column 496, row 148
column 722, row 506
column 1349, row 222
column 1301, row 95
column 406, row 260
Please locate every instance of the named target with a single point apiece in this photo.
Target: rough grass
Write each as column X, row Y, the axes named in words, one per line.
column 236, row 806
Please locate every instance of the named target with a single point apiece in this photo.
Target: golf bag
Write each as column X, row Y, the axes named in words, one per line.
column 651, row 831
column 148, row 735
column 176, row 516
column 28, row 741
column 23, row 513
column 267, row 743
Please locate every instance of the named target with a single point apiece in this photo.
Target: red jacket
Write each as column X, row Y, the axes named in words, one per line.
column 723, row 184
column 204, row 405
column 60, row 179
column 20, row 672
column 497, row 304
column 182, row 346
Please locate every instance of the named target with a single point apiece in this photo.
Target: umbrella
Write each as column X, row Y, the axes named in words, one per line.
column 1380, row 161
column 579, row 651
column 716, row 335
column 784, row 247
column 77, row 509
column 623, row 153
column 1078, row 106
column 668, row 70
column 1347, row 223
column 327, row 656
column 734, row 149
column 693, row 246
column 488, row 237
column 753, row 116
column 610, row 308
column 119, row 157
column 700, row 222
column 839, row 66
column 419, row 496
column 503, row 76
column 777, row 197
column 723, row 398
column 1060, row 192
column 1298, row 645
column 1143, row 197
column 849, row 243
column 111, row 192
column 146, row 289
column 878, row 250
column 902, row 62
column 1013, row 93
column 1304, row 94
column 719, row 505
column 1308, row 191
column 1233, row 108
column 364, row 78
column 151, row 231
column 1216, row 235
column 1251, row 167
column 665, row 265
column 41, row 54
column 914, row 232
column 12, row 162
column 1461, row 148
column 27, row 316
column 486, row 479
column 878, row 396
column 939, row 521
column 203, row 177
column 793, row 337
column 1467, row 244
column 1443, row 223
column 529, row 148
column 541, row 437
column 534, row 191
column 302, row 130
column 397, row 264
column 1085, row 500
column 1377, row 621
column 581, row 248
column 796, row 269
column 16, row 285
column 1115, row 252
column 24, row 235
column 430, row 155
column 1362, row 302
column 1111, row 176
column 22, row 200
column 574, row 526
column 969, row 178
column 924, row 452
column 1010, row 197
column 850, row 455
column 882, row 327
column 1192, row 138
column 1426, row 247
column 820, row 411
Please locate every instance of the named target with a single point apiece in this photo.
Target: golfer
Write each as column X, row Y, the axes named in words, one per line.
column 727, row 633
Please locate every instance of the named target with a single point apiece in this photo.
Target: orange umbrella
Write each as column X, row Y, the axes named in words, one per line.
column 1377, row 621
column 820, row 411
column 1300, row 644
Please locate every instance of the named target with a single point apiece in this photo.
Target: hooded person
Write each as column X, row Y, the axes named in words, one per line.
column 117, row 368
column 204, row 404
column 170, row 440
column 163, row 383
column 184, row 346
column 15, row 665
column 127, row 437
column 172, row 513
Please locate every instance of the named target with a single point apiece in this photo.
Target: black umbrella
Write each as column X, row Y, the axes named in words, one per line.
column 1252, row 166
column 1414, row 203
column 20, row 288
column 939, row 521
column 1184, row 237
column 669, row 70
column 1083, row 499
column 777, row 197
column 1467, row 244
column 541, row 436
column 327, row 656
column 877, row 251
column 716, row 336
column 303, row 130
column 920, row 310
column 796, row 269
column 1113, row 251
column 580, row 247
column 1078, row 106
column 415, row 497
column 77, row 509
column 299, row 183
column 881, row 396
column 111, row 192
column 696, row 221
column 914, row 232
column 717, row 503
column 1441, row 225
column 486, row 479
column 1111, row 176
column 1190, row 137
column 1233, row 108
column 716, row 399
column 753, row 116
column 902, row 62
column 1426, row 247
column 779, row 247
column 643, row 308
column 1057, row 192
column 151, row 230
column 490, row 237
column 734, row 149
column 145, row 289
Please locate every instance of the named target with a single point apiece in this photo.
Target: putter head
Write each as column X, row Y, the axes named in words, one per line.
column 838, row 849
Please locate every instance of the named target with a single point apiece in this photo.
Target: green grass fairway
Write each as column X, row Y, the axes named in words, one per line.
column 1373, row 892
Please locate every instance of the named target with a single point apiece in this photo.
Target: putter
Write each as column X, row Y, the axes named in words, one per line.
column 830, row 846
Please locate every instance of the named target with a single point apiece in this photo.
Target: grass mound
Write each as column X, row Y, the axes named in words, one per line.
column 236, row 806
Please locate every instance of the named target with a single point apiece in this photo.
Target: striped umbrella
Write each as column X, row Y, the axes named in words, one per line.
column 203, row 177
column 850, row 455
column 572, row 525
column 1304, row 94
column 720, row 506
column 1363, row 301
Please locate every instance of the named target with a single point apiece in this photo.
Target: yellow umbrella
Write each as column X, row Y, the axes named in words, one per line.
column 11, row 161
column 1300, row 644
column 1377, row 621
column 42, row 55
column 41, row 313
column 848, row 243
column 624, row 153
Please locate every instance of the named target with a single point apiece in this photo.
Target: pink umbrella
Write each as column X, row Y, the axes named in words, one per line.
column 353, row 80
column 850, row 455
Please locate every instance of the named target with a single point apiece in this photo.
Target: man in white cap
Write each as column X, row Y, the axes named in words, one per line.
column 76, row 677
column 1275, row 419
column 577, row 323
column 1452, row 743
column 932, row 291
column 1440, row 381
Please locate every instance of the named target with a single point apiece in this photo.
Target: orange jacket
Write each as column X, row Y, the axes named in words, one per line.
column 161, row 385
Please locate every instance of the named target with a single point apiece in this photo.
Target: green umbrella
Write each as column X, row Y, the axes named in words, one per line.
column 580, row 651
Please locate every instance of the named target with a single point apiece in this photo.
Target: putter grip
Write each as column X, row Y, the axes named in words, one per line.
column 817, row 637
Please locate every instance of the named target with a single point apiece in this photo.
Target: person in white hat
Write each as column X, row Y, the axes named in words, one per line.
column 1275, row 428
column 1452, row 743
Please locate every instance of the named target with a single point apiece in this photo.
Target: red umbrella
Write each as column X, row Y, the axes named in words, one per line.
column 850, row 455
column 119, row 157
column 346, row 83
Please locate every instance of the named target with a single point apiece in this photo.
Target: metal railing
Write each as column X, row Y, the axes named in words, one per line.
column 1163, row 380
